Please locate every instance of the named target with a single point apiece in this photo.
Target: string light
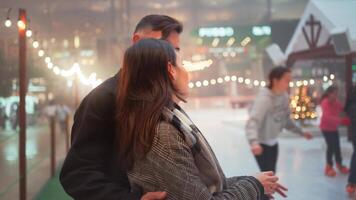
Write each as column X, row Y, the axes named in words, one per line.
column 332, row 76
column 75, row 70
column 41, row 53
column 212, row 81
column 205, row 83
column 227, row 78
column 21, row 24
column 47, row 59
column 248, row 81
column 35, row 44
column 29, row 33
column 8, row 23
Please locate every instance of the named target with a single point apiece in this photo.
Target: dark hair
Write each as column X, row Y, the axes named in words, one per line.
column 163, row 23
column 328, row 91
column 144, row 89
column 277, row 73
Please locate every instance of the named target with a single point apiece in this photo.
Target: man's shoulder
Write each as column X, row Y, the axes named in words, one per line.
column 101, row 99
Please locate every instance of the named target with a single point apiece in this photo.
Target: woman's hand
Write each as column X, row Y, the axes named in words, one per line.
column 256, row 149
column 154, row 196
column 270, row 184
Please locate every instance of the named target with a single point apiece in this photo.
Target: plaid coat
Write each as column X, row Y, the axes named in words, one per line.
column 170, row 166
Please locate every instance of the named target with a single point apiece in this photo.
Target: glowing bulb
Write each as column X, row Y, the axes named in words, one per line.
column 47, row 59
column 35, row 44
column 332, row 76
column 213, row 81
column 227, row 78
column 263, row 83
column 220, row 80
column 325, row 78
column 41, row 53
column 233, row 78
column 205, row 83
column 191, row 85
column 50, row 65
column 198, row 84
column 29, row 33
column 256, row 83
column 311, row 82
column 8, row 23
column 21, row 25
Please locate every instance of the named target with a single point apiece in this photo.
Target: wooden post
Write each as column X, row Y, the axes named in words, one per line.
column 22, row 105
column 53, row 145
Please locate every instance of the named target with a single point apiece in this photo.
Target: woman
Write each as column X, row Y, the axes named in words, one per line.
column 350, row 109
column 163, row 149
column 269, row 115
column 330, row 121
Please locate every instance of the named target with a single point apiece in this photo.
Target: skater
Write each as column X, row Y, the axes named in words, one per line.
column 330, row 121
column 269, row 115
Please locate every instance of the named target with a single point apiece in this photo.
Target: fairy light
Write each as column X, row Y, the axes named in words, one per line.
column 29, row 33
column 47, row 59
column 35, row 44
column 8, row 23
column 205, row 83
column 227, row 78
column 41, row 53
column 212, row 81
column 332, row 76
column 263, row 83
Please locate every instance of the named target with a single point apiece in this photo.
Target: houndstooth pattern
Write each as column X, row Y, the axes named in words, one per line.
column 182, row 163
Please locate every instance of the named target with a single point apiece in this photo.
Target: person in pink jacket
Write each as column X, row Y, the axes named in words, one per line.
column 330, row 121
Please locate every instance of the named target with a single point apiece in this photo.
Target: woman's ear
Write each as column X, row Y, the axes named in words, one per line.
column 171, row 71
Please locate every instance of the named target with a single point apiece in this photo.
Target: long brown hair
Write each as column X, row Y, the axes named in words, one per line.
column 144, row 89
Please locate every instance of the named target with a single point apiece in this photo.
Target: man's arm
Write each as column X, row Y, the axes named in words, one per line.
column 85, row 173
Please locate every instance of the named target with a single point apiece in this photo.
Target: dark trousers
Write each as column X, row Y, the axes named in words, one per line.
column 352, row 176
column 332, row 139
column 267, row 161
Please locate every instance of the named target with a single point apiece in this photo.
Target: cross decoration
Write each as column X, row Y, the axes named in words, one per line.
column 314, row 34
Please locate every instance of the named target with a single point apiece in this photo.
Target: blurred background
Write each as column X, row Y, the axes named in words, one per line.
column 228, row 46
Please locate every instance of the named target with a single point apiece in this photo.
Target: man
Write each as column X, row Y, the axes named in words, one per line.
column 91, row 169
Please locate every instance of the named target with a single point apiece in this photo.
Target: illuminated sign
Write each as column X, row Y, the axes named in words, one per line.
column 261, row 30
column 353, row 67
column 216, row 32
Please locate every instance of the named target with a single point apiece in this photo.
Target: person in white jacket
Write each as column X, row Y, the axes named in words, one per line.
column 269, row 115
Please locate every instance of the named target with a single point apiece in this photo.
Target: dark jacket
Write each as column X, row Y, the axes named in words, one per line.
column 90, row 170
column 350, row 105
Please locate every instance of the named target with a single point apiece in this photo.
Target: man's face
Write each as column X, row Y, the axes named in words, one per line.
column 172, row 38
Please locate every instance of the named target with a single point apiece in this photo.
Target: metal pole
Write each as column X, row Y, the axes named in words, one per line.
column 53, row 145
column 22, row 113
